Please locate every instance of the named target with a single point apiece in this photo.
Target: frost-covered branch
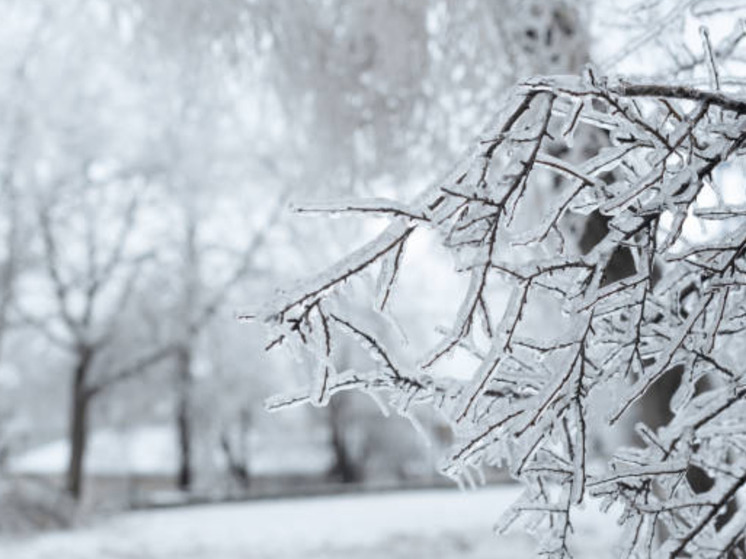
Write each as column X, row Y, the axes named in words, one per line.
column 574, row 329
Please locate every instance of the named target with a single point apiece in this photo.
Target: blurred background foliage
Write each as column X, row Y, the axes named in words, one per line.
column 148, row 153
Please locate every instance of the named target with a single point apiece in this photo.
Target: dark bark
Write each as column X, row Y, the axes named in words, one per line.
column 78, row 427
column 345, row 468
column 184, row 381
column 237, row 451
column 236, row 467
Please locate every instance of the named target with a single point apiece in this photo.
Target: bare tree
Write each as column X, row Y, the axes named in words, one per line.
column 198, row 304
column 89, row 291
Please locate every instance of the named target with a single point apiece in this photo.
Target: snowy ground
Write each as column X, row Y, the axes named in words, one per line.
column 439, row 524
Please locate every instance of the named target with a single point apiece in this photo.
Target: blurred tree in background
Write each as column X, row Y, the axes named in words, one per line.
column 148, row 149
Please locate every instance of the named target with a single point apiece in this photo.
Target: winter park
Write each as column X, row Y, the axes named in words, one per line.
column 372, row 279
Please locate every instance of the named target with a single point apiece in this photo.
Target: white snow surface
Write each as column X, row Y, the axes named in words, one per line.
column 433, row 524
column 151, row 450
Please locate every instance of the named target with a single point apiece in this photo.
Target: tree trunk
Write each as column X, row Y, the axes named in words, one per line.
column 78, row 427
column 183, row 417
column 237, row 468
column 237, row 451
column 344, row 469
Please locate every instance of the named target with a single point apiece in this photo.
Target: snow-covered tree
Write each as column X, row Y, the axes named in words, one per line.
column 554, row 342
column 80, row 188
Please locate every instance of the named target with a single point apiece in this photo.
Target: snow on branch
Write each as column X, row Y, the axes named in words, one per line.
column 577, row 325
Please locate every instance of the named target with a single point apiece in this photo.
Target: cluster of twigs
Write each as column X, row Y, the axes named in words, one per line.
column 566, row 345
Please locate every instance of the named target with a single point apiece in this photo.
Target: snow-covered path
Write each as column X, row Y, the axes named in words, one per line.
column 444, row 524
